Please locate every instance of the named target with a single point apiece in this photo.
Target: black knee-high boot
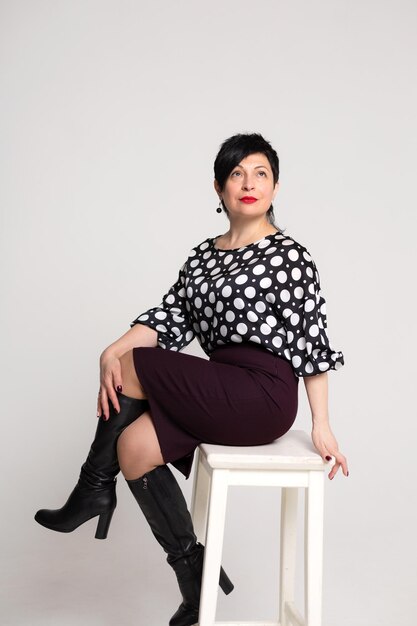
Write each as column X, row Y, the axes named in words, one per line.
column 163, row 504
column 95, row 492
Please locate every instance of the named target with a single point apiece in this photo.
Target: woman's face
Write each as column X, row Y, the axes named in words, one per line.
column 249, row 188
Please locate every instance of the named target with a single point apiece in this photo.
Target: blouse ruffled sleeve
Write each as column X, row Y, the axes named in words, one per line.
column 170, row 319
column 306, row 323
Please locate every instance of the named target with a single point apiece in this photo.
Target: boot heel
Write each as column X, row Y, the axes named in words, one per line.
column 103, row 525
column 225, row 583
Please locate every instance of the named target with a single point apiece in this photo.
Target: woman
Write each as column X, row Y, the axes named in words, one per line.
column 252, row 299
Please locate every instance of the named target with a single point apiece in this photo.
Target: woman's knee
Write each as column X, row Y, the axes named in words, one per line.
column 131, row 383
column 138, row 448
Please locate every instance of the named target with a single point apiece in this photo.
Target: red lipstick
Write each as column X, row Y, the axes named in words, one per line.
column 248, row 199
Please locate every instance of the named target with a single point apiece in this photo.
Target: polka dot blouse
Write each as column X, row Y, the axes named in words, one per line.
column 267, row 292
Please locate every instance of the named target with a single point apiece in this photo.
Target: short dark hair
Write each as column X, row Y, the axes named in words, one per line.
column 238, row 147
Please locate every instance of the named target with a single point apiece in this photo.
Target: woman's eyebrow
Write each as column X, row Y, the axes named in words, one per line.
column 256, row 166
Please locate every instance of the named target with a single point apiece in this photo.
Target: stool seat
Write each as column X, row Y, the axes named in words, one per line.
column 294, row 450
column 290, row 462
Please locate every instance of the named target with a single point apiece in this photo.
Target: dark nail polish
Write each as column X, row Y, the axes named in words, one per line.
column 119, row 388
column 328, row 458
column 347, row 474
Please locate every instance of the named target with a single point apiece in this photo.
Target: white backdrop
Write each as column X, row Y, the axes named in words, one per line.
column 111, row 115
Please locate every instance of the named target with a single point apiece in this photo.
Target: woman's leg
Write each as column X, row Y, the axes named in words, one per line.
column 95, row 493
column 162, row 502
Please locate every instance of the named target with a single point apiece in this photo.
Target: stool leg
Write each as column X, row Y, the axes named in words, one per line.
column 214, row 546
column 288, row 548
column 200, row 499
column 313, row 546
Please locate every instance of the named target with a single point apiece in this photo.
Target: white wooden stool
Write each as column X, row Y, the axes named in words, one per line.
column 290, row 462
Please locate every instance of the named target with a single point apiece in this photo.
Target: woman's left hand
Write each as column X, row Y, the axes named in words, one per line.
column 326, row 444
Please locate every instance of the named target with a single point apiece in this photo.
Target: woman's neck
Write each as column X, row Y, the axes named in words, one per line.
column 240, row 235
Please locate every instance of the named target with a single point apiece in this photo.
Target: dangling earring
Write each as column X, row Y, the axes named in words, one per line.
column 219, row 208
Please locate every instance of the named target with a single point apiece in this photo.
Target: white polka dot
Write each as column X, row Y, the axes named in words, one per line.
column 265, row 283
column 161, row 328
column 309, row 368
column 255, row 339
column 285, row 295
column 293, row 254
column 204, row 326
column 223, row 330
column 219, row 306
column 301, row 343
column 260, row 306
column 228, row 259
column 271, row 320
column 323, row 366
column 208, row 311
column 198, row 302
column 298, row 292
column 236, row 338
column 258, row 269
column 314, row 330
column 296, row 273
column 247, row 254
column 294, row 319
column 276, row 260
column 239, row 303
column 277, row 341
column 296, row 361
column 226, row 291
column 239, row 280
column 270, row 297
column 230, row 316
column 250, row 292
column 282, row 276
column 309, row 305
column 203, row 288
column 242, row 328
column 160, row 315
column 265, row 329
column 306, row 256
column 252, row 317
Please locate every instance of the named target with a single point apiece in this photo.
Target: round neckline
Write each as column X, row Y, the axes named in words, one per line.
column 248, row 245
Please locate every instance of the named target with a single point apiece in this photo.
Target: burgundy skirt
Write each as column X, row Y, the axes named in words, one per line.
column 243, row 395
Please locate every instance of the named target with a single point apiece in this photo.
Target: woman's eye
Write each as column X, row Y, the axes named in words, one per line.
column 235, row 173
column 262, row 172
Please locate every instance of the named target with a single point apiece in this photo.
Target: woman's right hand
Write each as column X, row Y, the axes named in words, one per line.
column 110, row 382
